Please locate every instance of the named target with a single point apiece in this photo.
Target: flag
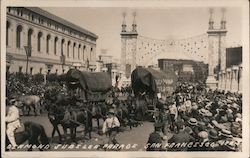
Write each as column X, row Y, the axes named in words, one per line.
column 28, row 50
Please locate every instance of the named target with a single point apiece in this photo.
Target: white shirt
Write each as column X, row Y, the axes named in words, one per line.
column 110, row 122
column 12, row 115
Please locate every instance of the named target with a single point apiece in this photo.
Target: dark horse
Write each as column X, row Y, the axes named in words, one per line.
column 69, row 120
column 33, row 133
column 99, row 111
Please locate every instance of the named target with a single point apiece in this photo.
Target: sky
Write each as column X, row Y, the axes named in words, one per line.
column 157, row 23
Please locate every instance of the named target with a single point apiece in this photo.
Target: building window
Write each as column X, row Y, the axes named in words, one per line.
column 83, row 51
column 47, row 43
column 49, row 23
column 74, row 50
column 31, row 70
column 9, row 9
column 49, row 71
column 7, row 32
column 56, row 71
column 68, row 48
column 55, row 45
column 18, row 11
column 90, row 54
column 63, row 70
column 18, row 36
column 20, row 69
column 62, row 43
column 41, row 70
column 30, row 32
column 32, row 17
column 79, row 48
column 39, row 37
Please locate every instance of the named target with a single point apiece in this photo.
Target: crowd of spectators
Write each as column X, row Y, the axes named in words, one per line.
column 18, row 84
column 206, row 116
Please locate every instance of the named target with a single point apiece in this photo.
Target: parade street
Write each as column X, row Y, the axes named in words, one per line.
column 124, row 87
column 136, row 137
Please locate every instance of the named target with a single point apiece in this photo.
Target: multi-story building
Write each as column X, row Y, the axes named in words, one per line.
column 40, row 42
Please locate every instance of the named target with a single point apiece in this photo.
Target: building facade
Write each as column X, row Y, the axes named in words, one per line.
column 40, row 42
column 186, row 70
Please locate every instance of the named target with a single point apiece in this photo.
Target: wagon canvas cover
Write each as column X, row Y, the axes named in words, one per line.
column 153, row 81
column 91, row 81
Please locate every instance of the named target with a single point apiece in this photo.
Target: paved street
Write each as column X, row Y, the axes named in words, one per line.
column 137, row 137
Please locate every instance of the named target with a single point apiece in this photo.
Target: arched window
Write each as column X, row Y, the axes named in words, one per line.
column 55, row 45
column 74, row 50
column 79, row 48
column 47, row 43
column 30, row 32
column 83, row 51
column 7, row 32
column 18, row 36
column 90, row 53
column 68, row 48
column 39, row 37
column 62, row 43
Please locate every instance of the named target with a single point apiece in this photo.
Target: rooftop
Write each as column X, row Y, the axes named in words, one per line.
column 61, row 20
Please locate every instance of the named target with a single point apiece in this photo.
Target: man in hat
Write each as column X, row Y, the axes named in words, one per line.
column 111, row 126
column 180, row 137
column 155, row 138
column 12, row 120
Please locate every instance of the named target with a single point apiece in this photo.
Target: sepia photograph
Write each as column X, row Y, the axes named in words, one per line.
column 125, row 78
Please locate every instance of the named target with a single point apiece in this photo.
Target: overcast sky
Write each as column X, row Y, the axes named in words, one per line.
column 159, row 23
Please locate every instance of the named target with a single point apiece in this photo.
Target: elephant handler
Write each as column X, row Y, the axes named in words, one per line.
column 111, row 126
column 12, row 121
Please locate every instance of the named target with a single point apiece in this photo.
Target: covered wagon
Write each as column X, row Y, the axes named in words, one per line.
column 89, row 86
column 149, row 84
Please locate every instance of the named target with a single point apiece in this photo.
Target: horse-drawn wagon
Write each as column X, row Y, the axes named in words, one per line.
column 89, row 86
column 149, row 85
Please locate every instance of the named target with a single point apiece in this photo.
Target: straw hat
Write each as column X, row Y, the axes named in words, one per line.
column 226, row 133
column 193, row 121
column 203, row 134
column 231, row 146
column 205, row 112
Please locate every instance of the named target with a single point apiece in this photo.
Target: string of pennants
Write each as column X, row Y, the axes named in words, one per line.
column 194, row 47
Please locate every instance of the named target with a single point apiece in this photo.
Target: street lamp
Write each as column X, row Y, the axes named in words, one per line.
column 62, row 61
column 28, row 54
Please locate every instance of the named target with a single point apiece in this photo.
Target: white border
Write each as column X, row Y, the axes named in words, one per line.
column 244, row 4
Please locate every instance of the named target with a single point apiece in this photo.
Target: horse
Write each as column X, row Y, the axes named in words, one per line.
column 34, row 133
column 30, row 101
column 70, row 119
column 99, row 111
column 55, row 115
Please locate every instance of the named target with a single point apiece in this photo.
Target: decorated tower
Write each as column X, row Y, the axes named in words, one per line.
column 216, row 49
column 128, row 46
